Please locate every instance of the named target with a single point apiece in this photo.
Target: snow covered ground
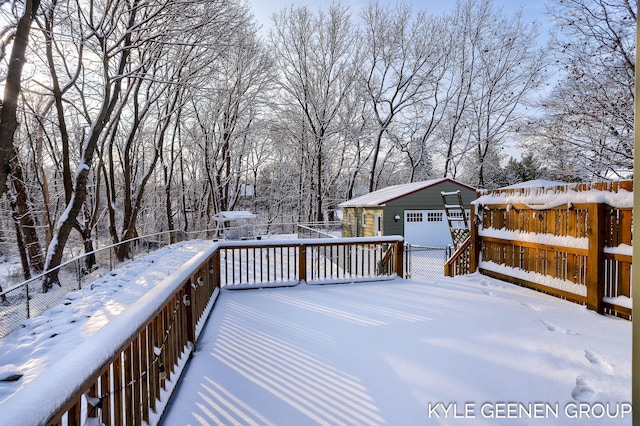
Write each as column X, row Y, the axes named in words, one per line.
column 470, row 350
column 419, row 351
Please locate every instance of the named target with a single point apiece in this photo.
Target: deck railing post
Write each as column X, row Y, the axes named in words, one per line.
column 302, row 263
column 448, row 269
column 399, row 252
column 215, row 266
column 595, row 258
column 188, row 302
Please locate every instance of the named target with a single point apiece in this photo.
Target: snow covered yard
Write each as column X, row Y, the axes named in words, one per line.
column 470, row 350
column 422, row 351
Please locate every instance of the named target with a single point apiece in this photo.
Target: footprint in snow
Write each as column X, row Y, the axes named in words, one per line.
column 556, row 329
column 10, row 373
column 597, row 361
column 582, row 392
column 487, row 292
column 534, row 307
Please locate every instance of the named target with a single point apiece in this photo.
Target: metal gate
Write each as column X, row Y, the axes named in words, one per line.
column 425, row 261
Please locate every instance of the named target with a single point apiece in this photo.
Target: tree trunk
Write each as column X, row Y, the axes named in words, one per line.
column 185, row 217
column 318, row 202
column 90, row 258
column 21, row 248
column 25, row 219
column 8, row 117
column 58, row 101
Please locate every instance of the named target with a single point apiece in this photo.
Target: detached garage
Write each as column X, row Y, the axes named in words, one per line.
column 413, row 210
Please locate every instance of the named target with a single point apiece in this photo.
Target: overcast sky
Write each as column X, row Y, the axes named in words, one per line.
column 534, row 10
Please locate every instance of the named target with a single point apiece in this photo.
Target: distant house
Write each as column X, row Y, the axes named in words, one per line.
column 413, row 210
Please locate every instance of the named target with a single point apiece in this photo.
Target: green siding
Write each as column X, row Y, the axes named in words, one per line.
column 391, row 227
column 430, row 198
column 425, row 199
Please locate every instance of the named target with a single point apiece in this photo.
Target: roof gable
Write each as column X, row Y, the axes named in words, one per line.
column 390, row 193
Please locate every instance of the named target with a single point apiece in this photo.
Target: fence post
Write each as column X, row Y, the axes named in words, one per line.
column 26, row 287
column 79, row 272
column 595, row 259
column 476, row 244
column 448, row 267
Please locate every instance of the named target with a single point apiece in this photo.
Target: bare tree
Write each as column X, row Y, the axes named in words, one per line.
column 113, row 44
column 20, row 195
column 114, row 40
column 235, row 96
column 138, row 59
column 511, row 67
column 403, row 57
column 318, row 57
column 590, row 111
column 464, row 34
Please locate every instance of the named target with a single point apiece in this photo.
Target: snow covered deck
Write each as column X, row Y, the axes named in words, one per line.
column 405, row 352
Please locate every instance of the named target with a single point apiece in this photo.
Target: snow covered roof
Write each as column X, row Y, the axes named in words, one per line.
column 233, row 215
column 390, row 193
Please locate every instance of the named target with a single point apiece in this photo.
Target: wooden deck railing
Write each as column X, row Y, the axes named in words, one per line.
column 127, row 387
column 579, row 251
column 269, row 263
column 125, row 390
column 459, row 262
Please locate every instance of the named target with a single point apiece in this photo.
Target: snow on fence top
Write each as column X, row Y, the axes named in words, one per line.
column 539, row 194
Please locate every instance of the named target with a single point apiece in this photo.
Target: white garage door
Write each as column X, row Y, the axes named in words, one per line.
column 427, row 228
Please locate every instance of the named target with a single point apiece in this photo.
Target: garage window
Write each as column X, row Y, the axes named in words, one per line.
column 414, row 217
column 457, row 215
column 434, row 217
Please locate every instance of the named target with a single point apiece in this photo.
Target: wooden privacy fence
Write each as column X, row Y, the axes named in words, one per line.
column 570, row 241
column 139, row 368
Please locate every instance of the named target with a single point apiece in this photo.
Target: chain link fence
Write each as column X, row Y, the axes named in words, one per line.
column 319, row 229
column 425, row 261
